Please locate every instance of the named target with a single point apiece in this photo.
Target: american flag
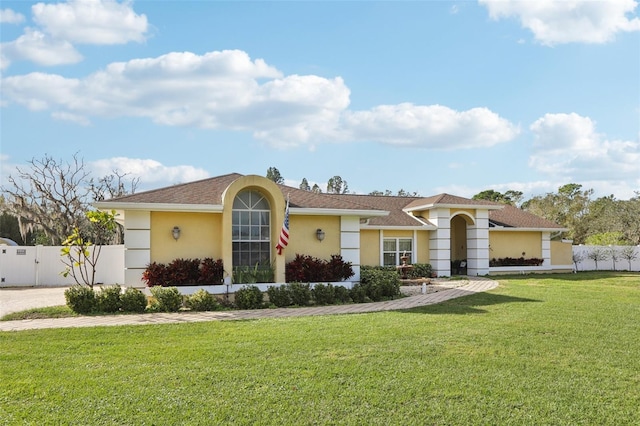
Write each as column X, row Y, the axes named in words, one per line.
column 284, row 232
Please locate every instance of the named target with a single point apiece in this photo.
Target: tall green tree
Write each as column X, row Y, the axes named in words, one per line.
column 509, row 197
column 568, row 207
column 304, row 185
column 337, row 185
column 274, row 175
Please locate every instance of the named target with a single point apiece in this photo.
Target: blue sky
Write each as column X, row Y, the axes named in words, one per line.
column 429, row 97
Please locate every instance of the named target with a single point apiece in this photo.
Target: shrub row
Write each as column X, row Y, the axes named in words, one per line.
column 521, row 261
column 181, row 272
column 111, row 299
column 305, row 268
column 84, row 300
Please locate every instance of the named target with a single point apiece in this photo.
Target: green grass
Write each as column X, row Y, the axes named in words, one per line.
column 555, row 350
column 38, row 313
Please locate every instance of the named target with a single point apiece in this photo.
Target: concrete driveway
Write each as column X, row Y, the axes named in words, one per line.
column 19, row 299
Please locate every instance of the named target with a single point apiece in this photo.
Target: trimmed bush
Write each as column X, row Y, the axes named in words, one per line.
column 80, row 299
column 380, row 284
column 300, row 293
column 108, row 299
column 167, row 299
column 420, row 270
column 133, row 300
column 279, row 295
column 183, row 271
column 341, row 294
column 358, row 294
column 202, row 300
column 323, row 294
column 249, row 297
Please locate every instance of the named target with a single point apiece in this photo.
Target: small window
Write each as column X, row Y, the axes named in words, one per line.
column 394, row 248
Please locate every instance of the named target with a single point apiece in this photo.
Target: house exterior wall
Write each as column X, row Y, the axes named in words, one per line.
column 200, row 236
column 561, row 253
column 303, row 240
column 422, row 246
column 370, row 247
column 514, row 243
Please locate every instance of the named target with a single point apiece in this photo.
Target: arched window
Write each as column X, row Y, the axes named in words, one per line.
column 251, row 231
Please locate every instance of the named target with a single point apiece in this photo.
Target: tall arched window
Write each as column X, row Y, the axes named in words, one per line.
column 251, row 231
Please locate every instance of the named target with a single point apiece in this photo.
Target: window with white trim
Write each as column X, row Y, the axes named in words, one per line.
column 250, row 229
column 394, row 248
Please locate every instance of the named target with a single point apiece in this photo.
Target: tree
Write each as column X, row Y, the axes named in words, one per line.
column 614, row 255
column 568, row 207
column 386, row 193
column 598, row 254
column 50, row 197
column 274, row 175
column 510, row 197
column 316, row 189
column 629, row 254
column 80, row 253
column 336, row 185
column 304, row 185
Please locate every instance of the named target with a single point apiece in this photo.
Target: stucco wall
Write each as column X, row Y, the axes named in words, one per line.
column 422, row 241
column 303, row 240
column 561, row 253
column 370, row 247
column 200, row 236
column 514, row 243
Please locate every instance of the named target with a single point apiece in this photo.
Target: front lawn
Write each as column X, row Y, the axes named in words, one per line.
column 537, row 350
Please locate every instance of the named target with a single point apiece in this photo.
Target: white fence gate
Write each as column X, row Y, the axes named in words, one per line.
column 29, row 266
column 610, row 258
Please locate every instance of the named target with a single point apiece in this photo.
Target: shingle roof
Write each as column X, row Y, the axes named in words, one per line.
column 513, row 217
column 210, row 191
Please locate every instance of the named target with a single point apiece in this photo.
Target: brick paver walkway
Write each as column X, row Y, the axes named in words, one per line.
column 475, row 285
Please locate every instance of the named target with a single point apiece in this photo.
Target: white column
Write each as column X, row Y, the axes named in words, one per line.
column 546, row 249
column 350, row 243
column 478, row 245
column 137, row 242
column 440, row 242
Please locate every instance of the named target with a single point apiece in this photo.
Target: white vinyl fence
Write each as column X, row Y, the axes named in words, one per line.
column 609, row 258
column 29, row 266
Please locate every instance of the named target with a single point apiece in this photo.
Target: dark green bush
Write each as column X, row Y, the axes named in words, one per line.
column 358, row 294
column 202, row 300
column 279, row 295
column 81, row 299
column 324, row 294
column 420, row 270
column 167, row 299
column 249, row 297
column 300, row 293
column 108, row 299
column 133, row 300
column 342, row 294
column 380, row 284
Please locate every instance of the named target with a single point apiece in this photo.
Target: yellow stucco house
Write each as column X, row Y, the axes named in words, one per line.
column 238, row 219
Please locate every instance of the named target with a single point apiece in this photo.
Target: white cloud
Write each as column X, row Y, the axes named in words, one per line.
column 568, row 21
column 91, row 21
column 40, row 48
column 433, row 126
column 149, row 171
column 8, row 16
column 568, row 147
column 228, row 90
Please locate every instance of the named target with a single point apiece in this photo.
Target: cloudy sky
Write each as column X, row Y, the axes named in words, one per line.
column 430, row 96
